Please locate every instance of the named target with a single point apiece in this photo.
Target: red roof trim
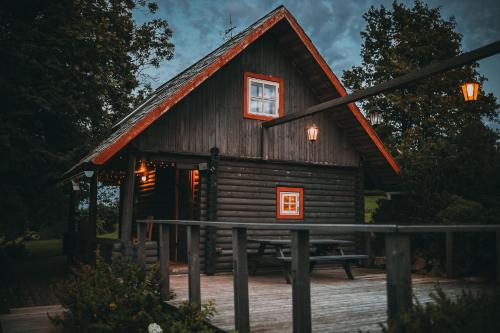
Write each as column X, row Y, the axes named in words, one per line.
column 148, row 119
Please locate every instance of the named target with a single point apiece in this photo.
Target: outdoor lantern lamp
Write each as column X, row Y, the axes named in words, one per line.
column 469, row 89
column 312, row 133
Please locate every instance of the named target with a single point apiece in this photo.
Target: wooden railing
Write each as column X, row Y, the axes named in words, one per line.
column 398, row 261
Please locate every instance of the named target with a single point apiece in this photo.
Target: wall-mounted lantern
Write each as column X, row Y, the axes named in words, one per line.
column 469, row 90
column 312, row 133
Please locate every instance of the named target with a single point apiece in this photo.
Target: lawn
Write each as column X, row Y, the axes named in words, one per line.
column 370, row 206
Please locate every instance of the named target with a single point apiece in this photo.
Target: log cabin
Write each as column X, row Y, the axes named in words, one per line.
column 196, row 148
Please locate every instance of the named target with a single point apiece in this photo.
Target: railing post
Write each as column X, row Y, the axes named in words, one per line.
column 301, row 288
column 398, row 270
column 141, row 246
column 450, row 271
column 240, row 281
column 164, row 255
column 498, row 256
column 194, row 264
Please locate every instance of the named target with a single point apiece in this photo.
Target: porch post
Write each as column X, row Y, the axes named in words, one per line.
column 398, row 270
column 449, row 255
column 240, row 281
column 91, row 232
column 211, row 232
column 498, row 255
column 164, row 261
column 194, row 264
column 301, row 287
column 128, row 200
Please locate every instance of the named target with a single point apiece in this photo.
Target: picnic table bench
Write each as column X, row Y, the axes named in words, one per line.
column 321, row 252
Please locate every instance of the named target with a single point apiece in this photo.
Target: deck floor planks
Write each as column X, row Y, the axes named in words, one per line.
column 338, row 304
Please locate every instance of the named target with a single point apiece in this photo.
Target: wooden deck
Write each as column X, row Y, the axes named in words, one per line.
column 338, row 304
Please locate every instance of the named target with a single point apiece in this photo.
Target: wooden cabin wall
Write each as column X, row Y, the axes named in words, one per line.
column 247, row 193
column 212, row 116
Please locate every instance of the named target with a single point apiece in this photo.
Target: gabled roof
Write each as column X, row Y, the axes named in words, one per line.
column 170, row 93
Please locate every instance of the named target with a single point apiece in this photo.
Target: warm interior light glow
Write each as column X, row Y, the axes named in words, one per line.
column 142, row 167
column 312, row 133
column 469, row 90
column 144, row 178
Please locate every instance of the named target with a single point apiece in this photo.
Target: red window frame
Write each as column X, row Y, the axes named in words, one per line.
column 281, row 91
column 300, row 192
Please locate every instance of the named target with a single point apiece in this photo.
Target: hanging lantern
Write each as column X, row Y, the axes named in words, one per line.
column 469, row 89
column 312, row 133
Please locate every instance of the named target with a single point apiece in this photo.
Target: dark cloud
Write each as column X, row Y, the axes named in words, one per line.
column 333, row 26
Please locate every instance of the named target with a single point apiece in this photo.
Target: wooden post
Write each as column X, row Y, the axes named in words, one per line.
column 265, row 143
column 301, row 288
column 71, row 210
column 498, row 256
column 240, row 281
column 141, row 246
column 91, row 232
column 164, row 254
column 194, row 264
column 398, row 270
column 450, row 272
column 128, row 200
column 93, row 206
column 211, row 232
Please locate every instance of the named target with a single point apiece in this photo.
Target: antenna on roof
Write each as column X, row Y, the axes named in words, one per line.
column 228, row 33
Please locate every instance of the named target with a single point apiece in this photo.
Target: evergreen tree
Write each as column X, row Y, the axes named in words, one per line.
column 440, row 140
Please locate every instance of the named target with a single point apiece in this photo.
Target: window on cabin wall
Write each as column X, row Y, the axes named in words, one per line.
column 289, row 203
column 263, row 96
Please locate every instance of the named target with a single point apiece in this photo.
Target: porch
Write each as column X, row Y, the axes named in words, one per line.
column 337, row 304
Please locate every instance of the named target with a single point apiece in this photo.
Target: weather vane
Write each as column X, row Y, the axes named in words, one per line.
column 228, row 33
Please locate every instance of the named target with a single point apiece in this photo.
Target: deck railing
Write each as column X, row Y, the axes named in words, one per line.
column 398, row 261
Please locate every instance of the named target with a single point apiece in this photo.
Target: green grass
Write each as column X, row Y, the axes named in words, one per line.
column 370, row 206
column 44, row 248
column 111, row 235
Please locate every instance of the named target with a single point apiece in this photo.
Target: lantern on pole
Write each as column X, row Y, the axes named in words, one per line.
column 312, row 133
column 469, row 90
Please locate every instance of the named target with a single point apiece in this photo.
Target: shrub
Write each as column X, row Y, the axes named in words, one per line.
column 468, row 313
column 123, row 297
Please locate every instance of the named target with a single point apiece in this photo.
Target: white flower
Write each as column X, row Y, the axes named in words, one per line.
column 154, row 328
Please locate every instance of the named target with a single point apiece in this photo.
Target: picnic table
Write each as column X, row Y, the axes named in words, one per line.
column 322, row 250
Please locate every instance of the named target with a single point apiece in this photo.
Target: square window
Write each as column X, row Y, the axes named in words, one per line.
column 263, row 98
column 289, row 203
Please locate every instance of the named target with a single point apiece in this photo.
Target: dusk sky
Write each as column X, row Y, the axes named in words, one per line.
column 333, row 26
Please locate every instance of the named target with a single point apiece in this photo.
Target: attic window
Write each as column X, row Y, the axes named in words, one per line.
column 263, row 96
column 289, row 203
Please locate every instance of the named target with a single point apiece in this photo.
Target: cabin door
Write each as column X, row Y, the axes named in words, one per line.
column 187, row 189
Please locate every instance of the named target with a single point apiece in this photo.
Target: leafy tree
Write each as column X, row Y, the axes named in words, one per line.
column 70, row 69
column 440, row 141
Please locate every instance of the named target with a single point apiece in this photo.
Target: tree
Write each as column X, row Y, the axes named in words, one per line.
column 70, row 69
column 440, row 141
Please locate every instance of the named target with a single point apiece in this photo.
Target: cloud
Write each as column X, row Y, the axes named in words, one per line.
column 333, row 26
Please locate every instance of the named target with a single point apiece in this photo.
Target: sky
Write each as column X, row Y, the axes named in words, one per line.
column 334, row 27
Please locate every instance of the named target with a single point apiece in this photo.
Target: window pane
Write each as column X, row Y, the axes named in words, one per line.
column 255, row 106
column 269, row 91
column 269, row 107
column 256, row 89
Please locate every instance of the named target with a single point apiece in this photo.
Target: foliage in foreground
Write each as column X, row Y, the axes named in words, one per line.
column 123, row 297
column 468, row 313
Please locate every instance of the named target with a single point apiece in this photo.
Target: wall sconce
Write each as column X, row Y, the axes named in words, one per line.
column 88, row 173
column 312, row 133
column 469, row 90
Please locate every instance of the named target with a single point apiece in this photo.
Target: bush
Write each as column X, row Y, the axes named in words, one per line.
column 468, row 313
column 123, row 297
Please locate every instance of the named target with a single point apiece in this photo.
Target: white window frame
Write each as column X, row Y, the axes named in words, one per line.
column 297, row 204
column 276, row 100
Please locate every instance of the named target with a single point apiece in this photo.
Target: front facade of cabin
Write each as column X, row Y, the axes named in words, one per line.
column 209, row 157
